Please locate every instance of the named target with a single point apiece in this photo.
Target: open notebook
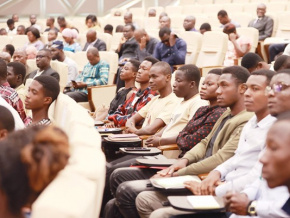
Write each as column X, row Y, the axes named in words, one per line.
column 173, row 182
column 124, row 138
column 203, row 202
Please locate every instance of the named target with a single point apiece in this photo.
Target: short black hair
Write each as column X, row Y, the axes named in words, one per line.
column 205, row 26
column 3, row 69
column 10, row 21
column 92, row 18
column 135, row 63
column 10, row 49
column 222, row 13
column 166, row 69
column 251, row 60
column 18, row 68
column 164, row 30
column 119, row 28
column 47, row 51
column 286, row 71
column 109, row 27
column 50, row 86
column 131, row 25
column 151, row 59
column 241, row 74
column 52, row 19
column 6, row 119
column 61, row 18
column 34, row 31
column 191, row 72
column 282, row 62
column 263, row 72
column 216, row 71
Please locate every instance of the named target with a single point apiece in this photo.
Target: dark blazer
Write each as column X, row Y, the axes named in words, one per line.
column 99, row 44
column 265, row 26
column 47, row 72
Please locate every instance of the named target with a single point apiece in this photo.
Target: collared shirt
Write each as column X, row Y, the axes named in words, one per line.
column 12, row 98
column 246, row 155
column 91, row 44
column 172, row 55
column 38, row 73
column 269, row 200
column 131, row 106
column 72, row 69
column 94, row 75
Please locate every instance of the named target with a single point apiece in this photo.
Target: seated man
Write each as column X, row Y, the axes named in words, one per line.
column 238, row 46
column 251, row 61
column 43, row 59
column 51, row 37
column 164, row 21
column 146, row 44
column 282, row 62
column 93, row 41
column 224, row 19
column 128, row 45
column 139, row 99
column 7, row 123
column 11, row 26
column 158, row 111
column 263, row 23
column 108, row 29
column 58, row 54
column 189, row 23
column 95, row 73
column 21, row 30
column 42, row 91
column 15, row 76
column 204, row 28
column 9, row 94
column 50, row 24
column 217, row 147
column 171, row 49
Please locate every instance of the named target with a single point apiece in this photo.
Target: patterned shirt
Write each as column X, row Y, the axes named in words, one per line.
column 94, row 75
column 198, row 127
column 12, row 98
column 43, row 122
column 131, row 106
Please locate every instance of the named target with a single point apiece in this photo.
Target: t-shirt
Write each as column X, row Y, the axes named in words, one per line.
column 72, row 69
column 183, row 112
column 159, row 108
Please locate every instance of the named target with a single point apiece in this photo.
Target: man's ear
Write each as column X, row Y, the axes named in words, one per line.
column 242, row 88
column 19, row 78
column 47, row 100
column 192, row 84
column 3, row 134
column 168, row 77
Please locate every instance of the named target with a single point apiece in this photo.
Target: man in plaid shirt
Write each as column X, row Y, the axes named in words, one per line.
column 9, row 94
column 95, row 73
column 139, row 99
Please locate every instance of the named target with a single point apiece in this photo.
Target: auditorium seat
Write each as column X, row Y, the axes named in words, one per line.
column 251, row 33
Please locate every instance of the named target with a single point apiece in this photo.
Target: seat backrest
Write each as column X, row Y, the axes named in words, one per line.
column 151, row 23
column 212, row 9
column 85, row 169
column 19, row 41
column 193, row 41
column 112, row 59
column 102, row 95
column 204, row 1
column 276, row 6
column 82, row 39
column 233, row 8
column 137, row 12
column 80, row 58
column 251, row 33
column 213, row 49
column 5, row 39
column 283, row 29
column 62, row 70
column 192, row 9
column 200, row 19
column 186, row 2
column 114, row 21
column 116, row 40
column 158, row 10
column 173, row 10
column 242, row 18
column 31, row 65
column 107, row 38
column 223, row 1
column 177, row 22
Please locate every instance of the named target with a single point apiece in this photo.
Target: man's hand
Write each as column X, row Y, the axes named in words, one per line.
column 123, row 40
column 237, row 203
column 181, row 163
column 152, row 141
column 210, row 183
column 142, row 44
column 232, row 37
column 110, row 125
column 193, row 186
column 79, row 85
column 172, row 39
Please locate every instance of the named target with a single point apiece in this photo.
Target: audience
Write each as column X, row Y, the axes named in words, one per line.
column 146, row 44
column 128, row 19
column 50, row 24
column 92, row 23
column 69, row 36
column 95, row 73
column 5, row 56
column 11, row 27
column 204, row 27
column 58, row 54
column 238, row 45
column 165, row 21
column 33, row 36
column 251, row 61
column 152, row 12
column 10, row 49
column 20, row 56
column 16, row 72
column 15, row 17
column 32, row 20
column 62, row 23
column 108, row 29
column 51, row 37
column 189, row 23
column 262, row 23
column 171, row 49
column 21, row 30
column 42, row 91
column 224, row 19
column 8, row 93
column 93, row 41
column 282, row 62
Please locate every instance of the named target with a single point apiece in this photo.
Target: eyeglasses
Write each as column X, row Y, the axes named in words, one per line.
column 277, row 87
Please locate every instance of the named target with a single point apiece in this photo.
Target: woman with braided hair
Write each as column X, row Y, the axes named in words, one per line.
column 29, row 160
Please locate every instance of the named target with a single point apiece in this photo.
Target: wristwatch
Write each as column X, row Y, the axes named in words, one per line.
column 252, row 208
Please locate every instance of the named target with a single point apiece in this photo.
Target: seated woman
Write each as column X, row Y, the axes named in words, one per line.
column 69, row 36
column 92, row 23
column 128, row 75
column 30, row 159
column 33, row 36
column 238, row 46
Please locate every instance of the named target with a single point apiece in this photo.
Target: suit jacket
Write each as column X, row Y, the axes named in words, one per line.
column 264, row 25
column 99, row 44
column 47, row 72
column 129, row 49
column 224, row 145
